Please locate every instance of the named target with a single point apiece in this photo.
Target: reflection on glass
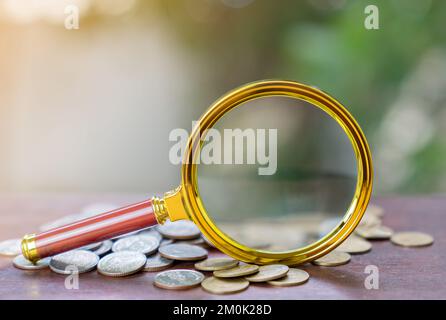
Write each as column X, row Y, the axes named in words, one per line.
column 310, row 190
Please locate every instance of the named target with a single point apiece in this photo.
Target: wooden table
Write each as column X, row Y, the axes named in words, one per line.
column 405, row 273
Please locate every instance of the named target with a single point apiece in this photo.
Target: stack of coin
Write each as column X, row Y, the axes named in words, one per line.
column 369, row 229
column 158, row 248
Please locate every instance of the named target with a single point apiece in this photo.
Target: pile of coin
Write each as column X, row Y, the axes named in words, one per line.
column 159, row 248
column 371, row 228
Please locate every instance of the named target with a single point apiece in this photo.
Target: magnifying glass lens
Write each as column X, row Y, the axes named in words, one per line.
column 276, row 174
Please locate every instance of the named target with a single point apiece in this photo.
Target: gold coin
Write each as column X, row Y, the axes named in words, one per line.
column 374, row 233
column 412, row 239
column 375, row 210
column 224, row 286
column 333, row 259
column 214, row 264
column 239, row 271
column 355, row 245
column 292, row 278
column 369, row 220
column 269, row 272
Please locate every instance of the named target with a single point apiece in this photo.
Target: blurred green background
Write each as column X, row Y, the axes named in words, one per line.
column 91, row 109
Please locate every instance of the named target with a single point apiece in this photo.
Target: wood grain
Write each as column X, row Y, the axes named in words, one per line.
column 405, row 273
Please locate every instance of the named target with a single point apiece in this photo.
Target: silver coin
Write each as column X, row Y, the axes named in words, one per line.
column 157, row 263
column 145, row 245
column 183, row 252
column 91, row 246
column 210, row 244
column 11, row 247
column 21, row 262
column 151, row 232
column 178, row 279
column 74, row 261
column 180, row 230
column 97, row 208
column 125, row 235
column 122, row 263
column 60, row 222
column 104, row 248
column 196, row 242
column 165, row 242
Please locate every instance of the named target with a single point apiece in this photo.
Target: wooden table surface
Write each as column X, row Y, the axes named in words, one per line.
column 405, row 273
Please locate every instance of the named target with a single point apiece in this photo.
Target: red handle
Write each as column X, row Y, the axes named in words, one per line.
column 97, row 228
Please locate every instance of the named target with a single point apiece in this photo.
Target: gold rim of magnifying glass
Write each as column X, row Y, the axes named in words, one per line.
column 185, row 202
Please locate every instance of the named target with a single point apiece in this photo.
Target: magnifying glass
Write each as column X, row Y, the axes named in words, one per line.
column 273, row 172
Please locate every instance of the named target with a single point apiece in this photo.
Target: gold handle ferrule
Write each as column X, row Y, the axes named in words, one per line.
column 29, row 249
column 171, row 206
column 160, row 210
